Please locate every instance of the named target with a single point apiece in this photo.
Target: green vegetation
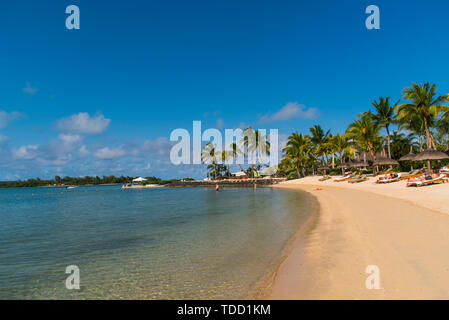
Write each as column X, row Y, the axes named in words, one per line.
column 423, row 119
column 81, row 181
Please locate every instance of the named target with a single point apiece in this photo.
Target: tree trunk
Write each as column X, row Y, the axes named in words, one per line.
column 388, row 142
column 215, row 171
column 333, row 160
column 420, row 142
column 297, row 171
column 429, row 142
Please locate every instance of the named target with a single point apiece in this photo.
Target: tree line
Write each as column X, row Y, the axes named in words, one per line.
column 421, row 119
column 80, row 181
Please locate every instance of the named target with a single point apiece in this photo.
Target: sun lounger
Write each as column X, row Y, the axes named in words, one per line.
column 441, row 178
column 358, row 179
column 386, row 172
column 325, row 178
column 399, row 177
column 444, row 170
column 344, row 178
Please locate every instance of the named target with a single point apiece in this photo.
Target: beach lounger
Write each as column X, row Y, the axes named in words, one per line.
column 441, row 178
column 325, row 178
column 386, row 172
column 341, row 179
column 358, row 179
column 390, row 180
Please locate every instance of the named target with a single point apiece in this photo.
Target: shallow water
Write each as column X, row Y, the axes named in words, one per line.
column 190, row 243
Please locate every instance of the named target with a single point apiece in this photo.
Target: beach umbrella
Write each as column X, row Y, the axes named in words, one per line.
column 385, row 162
column 429, row 155
column 358, row 164
column 325, row 168
column 408, row 157
column 344, row 166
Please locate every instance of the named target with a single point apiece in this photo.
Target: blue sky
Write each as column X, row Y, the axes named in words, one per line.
column 104, row 99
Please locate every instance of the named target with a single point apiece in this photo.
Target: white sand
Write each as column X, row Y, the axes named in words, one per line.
column 403, row 231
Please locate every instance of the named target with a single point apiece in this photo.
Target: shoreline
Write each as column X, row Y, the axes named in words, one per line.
column 263, row 288
column 361, row 225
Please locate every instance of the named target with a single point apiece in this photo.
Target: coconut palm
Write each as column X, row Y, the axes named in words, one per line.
column 339, row 144
column 384, row 116
column 235, row 152
column 364, row 132
column 423, row 102
column 210, row 156
column 319, row 139
column 415, row 125
column 224, row 156
column 255, row 142
column 297, row 152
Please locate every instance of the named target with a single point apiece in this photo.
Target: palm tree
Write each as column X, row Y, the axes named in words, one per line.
column 424, row 103
column 235, row 152
column 443, row 131
column 384, row 116
column 225, row 156
column 209, row 155
column 364, row 132
column 255, row 142
column 319, row 139
column 415, row 125
column 297, row 152
column 339, row 144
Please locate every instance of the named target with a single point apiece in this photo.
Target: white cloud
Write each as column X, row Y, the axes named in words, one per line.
column 83, row 151
column 83, row 123
column 109, row 153
column 289, row 111
column 26, row 152
column 158, row 148
column 66, row 143
column 29, row 89
column 7, row 117
column 60, row 161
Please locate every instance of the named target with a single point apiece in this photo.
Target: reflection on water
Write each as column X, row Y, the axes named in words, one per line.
column 143, row 244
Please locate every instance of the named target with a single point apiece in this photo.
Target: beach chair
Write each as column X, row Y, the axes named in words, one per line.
column 438, row 178
column 324, row 178
column 413, row 174
column 344, row 178
column 386, row 172
column 358, row 179
column 445, row 170
column 399, row 177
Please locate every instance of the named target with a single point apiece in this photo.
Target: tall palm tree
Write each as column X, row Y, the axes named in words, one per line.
column 210, row 155
column 384, row 116
column 255, row 142
column 235, row 152
column 415, row 125
column 443, row 131
column 339, row 144
column 423, row 102
column 365, row 134
column 224, row 156
column 319, row 139
column 297, row 152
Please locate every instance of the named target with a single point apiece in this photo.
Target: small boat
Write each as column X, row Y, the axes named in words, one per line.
column 71, row 187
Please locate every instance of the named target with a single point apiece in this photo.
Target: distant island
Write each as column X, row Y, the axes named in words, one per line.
column 82, row 181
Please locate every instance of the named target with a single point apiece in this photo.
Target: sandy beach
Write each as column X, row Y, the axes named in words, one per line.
column 403, row 231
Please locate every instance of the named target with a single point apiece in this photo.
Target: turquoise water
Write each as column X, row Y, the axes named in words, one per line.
column 190, row 243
